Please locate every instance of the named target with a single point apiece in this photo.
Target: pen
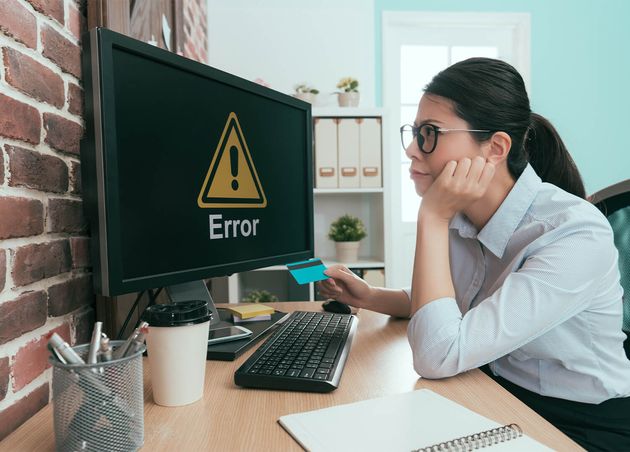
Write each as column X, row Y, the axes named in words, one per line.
column 138, row 341
column 56, row 354
column 64, row 349
column 122, row 350
column 105, row 349
column 95, row 343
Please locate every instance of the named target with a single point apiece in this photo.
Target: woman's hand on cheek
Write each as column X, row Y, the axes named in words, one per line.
column 458, row 185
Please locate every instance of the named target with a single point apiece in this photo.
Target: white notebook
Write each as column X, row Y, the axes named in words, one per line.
column 403, row 422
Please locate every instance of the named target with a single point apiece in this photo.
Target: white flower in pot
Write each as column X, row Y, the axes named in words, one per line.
column 306, row 93
column 349, row 97
column 346, row 232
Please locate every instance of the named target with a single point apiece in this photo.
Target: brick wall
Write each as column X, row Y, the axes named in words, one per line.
column 45, row 275
column 196, row 30
column 45, row 280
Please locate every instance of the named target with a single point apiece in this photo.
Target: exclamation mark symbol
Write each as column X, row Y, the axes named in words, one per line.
column 234, row 166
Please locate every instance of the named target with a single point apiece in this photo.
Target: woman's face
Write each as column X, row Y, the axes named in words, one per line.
column 425, row 168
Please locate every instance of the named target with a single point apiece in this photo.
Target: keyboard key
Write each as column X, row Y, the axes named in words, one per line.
column 331, row 351
column 307, row 373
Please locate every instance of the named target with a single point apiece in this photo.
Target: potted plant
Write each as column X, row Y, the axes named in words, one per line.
column 259, row 296
column 349, row 97
column 306, row 93
column 346, row 232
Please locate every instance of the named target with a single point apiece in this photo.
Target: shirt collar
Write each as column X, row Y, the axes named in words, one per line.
column 496, row 234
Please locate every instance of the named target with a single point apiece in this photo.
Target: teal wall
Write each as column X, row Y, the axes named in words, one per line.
column 580, row 73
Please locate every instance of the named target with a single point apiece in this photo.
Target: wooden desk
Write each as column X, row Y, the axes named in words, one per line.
column 233, row 418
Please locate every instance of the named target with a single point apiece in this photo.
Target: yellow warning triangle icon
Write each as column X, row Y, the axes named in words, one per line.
column 232, row 180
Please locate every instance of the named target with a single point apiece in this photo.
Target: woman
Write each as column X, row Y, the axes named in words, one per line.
column 510, row 272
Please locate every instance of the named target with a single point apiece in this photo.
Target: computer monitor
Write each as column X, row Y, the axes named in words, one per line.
column 188, row 172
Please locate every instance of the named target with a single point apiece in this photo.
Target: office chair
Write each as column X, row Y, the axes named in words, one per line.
column 614, row 203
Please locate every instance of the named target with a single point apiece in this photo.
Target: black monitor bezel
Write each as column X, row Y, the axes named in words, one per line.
column 100, row 175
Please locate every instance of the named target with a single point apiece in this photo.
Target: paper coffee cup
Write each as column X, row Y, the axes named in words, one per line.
column 177, row 345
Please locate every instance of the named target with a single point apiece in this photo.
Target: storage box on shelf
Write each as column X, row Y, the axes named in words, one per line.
column 349, row 157
column 347, row 148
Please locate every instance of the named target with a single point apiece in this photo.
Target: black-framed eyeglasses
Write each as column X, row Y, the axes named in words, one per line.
column 427, row 135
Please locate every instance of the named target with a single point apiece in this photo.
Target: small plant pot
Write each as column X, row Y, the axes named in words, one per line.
column 347, row 251
column 350, row 99
column 306, row 97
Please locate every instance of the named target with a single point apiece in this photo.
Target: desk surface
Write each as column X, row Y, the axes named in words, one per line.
column 379, row 364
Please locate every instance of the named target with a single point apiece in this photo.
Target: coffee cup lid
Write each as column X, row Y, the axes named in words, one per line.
column 177, row 314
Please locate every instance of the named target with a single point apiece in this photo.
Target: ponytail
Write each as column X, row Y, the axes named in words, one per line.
column 490, row 94
column 550, row 158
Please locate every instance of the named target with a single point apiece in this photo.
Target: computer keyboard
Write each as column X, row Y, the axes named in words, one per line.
column 307, row 353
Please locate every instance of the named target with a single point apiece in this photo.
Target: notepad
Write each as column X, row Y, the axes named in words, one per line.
column 402, row 422
column 259, row 318
column 250, row 310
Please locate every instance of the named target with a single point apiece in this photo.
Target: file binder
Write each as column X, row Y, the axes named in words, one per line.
column 326, row 153
column 348, row 152
column 371, row 175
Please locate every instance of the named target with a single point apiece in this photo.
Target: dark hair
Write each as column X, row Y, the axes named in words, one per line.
column 490, row 94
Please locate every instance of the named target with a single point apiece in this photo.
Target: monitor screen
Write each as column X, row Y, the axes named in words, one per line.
column 189, row 172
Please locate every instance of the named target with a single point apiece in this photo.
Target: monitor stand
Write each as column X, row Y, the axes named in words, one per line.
column 195, row 290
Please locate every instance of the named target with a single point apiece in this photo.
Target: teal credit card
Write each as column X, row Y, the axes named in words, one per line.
column 308, row 271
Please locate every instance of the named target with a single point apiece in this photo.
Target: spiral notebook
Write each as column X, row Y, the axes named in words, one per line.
column 414, row 421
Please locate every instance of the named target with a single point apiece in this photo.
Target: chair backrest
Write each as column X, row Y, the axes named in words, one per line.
column 614, row 202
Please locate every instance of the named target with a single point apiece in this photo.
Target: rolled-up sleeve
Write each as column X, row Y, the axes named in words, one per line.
column 439, row 322
column 554, row 283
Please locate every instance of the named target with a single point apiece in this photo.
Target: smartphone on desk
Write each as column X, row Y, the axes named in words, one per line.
column 230, row 333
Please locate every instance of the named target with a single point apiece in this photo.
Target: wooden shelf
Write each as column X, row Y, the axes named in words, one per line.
column 347, row 112
column 363, row 262
column 337, row 191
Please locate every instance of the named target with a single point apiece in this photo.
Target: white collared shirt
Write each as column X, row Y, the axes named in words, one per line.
column 537, row 295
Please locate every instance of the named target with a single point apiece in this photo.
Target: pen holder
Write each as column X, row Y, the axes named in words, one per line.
column 98, row 406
